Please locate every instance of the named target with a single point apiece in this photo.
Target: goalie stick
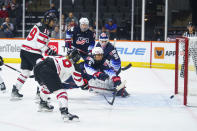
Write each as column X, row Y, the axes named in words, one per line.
column 32, row 76
column 121, row 86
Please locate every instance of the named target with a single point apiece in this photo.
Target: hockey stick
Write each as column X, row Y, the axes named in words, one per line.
column 121, row 86
column 126, row 67
column 32, row 76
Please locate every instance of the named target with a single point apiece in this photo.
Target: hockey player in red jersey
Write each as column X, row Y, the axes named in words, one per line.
column 2, row 85
column 32, row 49
column 52, row 72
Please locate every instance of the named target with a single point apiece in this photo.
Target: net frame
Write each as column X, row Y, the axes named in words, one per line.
column 185, row 41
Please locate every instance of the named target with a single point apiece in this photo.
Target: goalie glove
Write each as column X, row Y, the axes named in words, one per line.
column 101, row 75
column 1, row 61
column 51, row 52
column 116, row 80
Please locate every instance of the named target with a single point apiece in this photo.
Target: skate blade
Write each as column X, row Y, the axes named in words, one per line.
column 45, row 110
column 3, row 91
column 66, row 119
column 15, row 99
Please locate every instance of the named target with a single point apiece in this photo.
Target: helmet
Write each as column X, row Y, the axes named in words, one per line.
column 84, row 20
column 97, row 50
column 190, row 24
column 103, row 37
column 84, row 24
column 74, row 55
column 97, row 53
column 48, row 17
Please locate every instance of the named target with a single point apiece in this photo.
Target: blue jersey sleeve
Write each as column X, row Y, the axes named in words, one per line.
column 115, row 60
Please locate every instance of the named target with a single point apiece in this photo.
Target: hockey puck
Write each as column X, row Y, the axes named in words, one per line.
column 172, row 96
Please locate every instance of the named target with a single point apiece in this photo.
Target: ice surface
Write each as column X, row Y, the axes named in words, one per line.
column 149, row 107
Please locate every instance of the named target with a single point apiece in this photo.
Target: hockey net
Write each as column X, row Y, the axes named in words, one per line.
column 185, row 70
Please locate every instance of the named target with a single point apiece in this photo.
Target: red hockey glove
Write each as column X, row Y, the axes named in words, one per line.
column 116, row 80
column 101, row 75
column 85, row 85
column 51, row 52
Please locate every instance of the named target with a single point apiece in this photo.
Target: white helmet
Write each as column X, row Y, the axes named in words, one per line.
column 97, row 50
column 84, row 24
column 84, row 20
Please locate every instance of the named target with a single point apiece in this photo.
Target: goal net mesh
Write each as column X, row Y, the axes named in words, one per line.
column 185, row 70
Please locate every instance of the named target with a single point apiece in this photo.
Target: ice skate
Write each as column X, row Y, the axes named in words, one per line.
column 37, row 94
column 2, row 88
column 15, row 94
column 44, row 106
column 122, row 93
column 66, row 116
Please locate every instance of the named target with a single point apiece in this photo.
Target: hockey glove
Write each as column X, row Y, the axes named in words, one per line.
column 101, row 75
column 51, row 52
column 116, row 80
column 85, row 85
column 1, row 61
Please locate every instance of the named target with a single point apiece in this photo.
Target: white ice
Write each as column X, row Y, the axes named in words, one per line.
column 149, row 107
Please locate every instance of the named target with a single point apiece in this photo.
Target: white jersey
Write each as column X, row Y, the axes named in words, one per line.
column 37, row 40
column 187, row 34
column 65, row 69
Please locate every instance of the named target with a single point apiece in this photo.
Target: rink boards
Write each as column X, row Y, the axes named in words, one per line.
column 147, row 54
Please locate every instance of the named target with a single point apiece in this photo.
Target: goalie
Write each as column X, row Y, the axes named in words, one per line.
column 100, row 72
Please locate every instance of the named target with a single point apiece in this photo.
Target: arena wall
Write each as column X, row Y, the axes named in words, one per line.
column 148, row 54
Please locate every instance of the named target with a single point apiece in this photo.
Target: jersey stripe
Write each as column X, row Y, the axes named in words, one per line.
column 41, row 41
column 43, row 35
column 30, row 48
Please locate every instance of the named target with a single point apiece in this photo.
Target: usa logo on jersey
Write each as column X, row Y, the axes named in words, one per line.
column 82, row 41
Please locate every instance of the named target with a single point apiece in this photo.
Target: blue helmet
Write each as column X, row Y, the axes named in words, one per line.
column 103, row 37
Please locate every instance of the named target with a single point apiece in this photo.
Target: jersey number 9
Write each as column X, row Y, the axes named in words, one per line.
column 32, row 34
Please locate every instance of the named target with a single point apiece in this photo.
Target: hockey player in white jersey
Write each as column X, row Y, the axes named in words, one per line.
column 52, row 72
column 33, row 48
column 2, row 84
column 190, row 33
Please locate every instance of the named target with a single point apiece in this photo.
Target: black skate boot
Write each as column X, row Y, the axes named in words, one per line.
column 15, row 94
column 122, row 93
column 45, row 107
column 2, row 87
column 66, row 116
column 37, row 94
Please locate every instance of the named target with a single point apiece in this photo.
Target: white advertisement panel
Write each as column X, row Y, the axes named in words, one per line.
column 10, row 48
column 134, row 51
column 137, row 52
column 163, row 52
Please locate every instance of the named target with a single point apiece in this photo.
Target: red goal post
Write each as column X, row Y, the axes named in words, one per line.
column 182, row 41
